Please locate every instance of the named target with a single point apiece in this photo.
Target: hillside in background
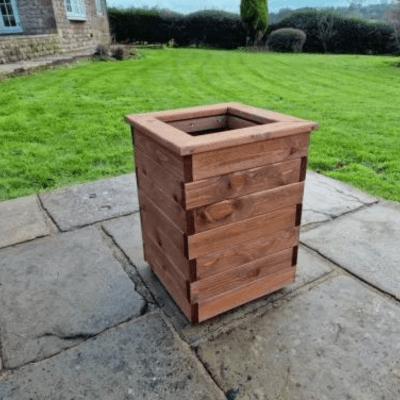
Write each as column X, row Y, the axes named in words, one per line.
column 372, row 12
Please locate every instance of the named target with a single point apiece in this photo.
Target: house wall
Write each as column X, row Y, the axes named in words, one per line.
column 47, row 31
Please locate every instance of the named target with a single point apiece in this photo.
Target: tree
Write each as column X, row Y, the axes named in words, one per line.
column 325, row 23
column 393, row 19
column 254, row 15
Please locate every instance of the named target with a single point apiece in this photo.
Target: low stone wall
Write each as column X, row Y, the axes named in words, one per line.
column 16, row 48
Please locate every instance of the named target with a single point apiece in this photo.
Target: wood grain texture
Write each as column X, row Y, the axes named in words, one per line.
column 233, row 210
column 201, row 124
column 168, row 160
column 168, row 183
column 163, row 232
column 169, row 275
column 205, row 289
column 249, row 251
column 234, row 234
column 245, row 294
column 227, row 160
column 166, row 204
column 234, row 122
column 240, row 183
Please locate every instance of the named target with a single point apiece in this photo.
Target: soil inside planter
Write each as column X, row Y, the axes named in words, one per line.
column 213, row 124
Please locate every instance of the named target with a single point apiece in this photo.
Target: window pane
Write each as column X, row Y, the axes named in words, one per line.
column 69, row 6
column 3, row 10
column 6, row 21
column 8, row 1
column 9, row 9
column 12, row 21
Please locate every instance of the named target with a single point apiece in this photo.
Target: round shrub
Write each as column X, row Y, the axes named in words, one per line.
column 286, row 40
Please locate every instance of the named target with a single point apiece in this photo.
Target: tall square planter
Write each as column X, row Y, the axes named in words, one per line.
column 220, row 192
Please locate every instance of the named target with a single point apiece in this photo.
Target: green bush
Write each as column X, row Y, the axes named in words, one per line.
column 351, row 35
column 286, row 40
column 205, row 28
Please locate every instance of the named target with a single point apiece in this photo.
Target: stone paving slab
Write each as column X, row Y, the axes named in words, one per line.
column 57, row 291
column 140, row 359
column 126, row 232
column 21, row 220
column 326, row 198
column 81, row 205
column 366, row 243
column 338, row 341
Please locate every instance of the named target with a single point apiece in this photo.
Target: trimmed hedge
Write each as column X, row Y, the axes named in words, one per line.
column 286, row 40
column 221, row 29
column 207, row 28
column 353, row 36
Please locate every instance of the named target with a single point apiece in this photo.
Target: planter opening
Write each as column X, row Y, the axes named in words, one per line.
column 215, row 123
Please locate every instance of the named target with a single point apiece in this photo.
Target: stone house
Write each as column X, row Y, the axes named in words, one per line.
column 34, row 28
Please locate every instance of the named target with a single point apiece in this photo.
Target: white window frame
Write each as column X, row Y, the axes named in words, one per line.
column 78, row 12
column 11, row 29
column 101, row 7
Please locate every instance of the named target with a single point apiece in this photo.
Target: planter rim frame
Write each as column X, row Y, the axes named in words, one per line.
column 272, row 125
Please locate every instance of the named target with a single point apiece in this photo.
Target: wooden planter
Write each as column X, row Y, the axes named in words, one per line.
column 220, row 191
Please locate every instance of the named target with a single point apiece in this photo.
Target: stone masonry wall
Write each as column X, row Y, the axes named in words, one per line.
column 47, row 30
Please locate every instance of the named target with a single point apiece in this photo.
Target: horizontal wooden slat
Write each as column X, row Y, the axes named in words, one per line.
column 161, row 155
column 234, row 234
column 249, row 251
column 224, row 161
column 234, row 122
column 161, row 177
column 246, row 293
column 169, row 207
column 240, row 183
column 233, row 210
column 201, row 124
column 205, row 289
column 167, row 235
column 169, row 275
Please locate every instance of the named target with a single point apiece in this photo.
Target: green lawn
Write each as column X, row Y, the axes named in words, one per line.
column 65, row 126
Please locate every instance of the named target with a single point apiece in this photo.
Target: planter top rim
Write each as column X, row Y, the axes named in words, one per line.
column 270, row 125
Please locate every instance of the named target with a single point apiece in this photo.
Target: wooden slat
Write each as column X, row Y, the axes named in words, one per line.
column 239, row 232
column 216, row 285
column 233, row 210
column 161, row 177
column 170, row 208
column 240, row 183
column 246, row 293
column 223, row 161
column 200, row 124
column 234, row 122
column 163, row 232
column 161, row 155
column 249, row 251
column 169, row 275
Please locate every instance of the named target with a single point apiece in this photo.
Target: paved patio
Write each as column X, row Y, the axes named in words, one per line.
column 83, row 317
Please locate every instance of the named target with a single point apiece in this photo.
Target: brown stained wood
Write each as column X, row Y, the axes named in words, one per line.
column 234, row 234
column 200, row 124
column 161, row 155
column 206, row 289
column 169, row 275
column 234, row 122
column 227, row 160
column 249, row 251
column 161, row 177
column 156, row 218
column 233, row 210
column 240, row 183
column 245, row 294
column 173, row 210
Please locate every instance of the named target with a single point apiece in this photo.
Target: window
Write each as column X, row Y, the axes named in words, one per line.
column 75, row 10
column 9, row 19
column 101, row 7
